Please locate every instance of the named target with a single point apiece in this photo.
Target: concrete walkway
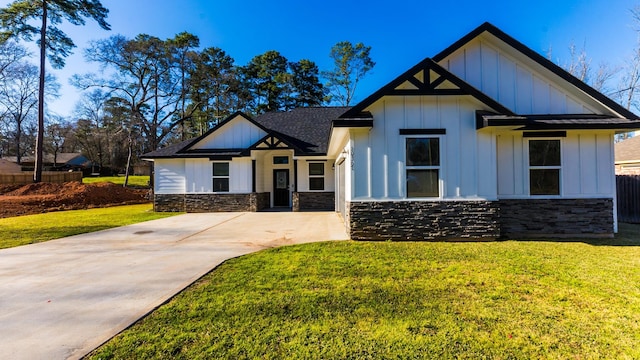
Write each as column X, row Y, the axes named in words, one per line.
column 61, row 299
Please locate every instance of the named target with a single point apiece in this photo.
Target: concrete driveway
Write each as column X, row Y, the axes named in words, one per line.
column 61, row 299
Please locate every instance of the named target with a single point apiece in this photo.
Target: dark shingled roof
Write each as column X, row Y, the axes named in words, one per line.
column 306, row 129
column 167, row 152
column 554, row 121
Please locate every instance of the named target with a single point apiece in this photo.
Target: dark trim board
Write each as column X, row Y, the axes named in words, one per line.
column 423, row 131
column 544, row 134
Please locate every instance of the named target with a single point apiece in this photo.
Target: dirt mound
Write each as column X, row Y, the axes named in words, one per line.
column 43, row 197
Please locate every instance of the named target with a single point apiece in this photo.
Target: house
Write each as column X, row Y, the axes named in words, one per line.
column 486, row 139
column 627, row 159
column 65, row 161
column 8, row 167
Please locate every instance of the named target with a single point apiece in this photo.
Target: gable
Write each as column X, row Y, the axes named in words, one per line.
column 237, row 132
column 426, row 78
column 521, row 79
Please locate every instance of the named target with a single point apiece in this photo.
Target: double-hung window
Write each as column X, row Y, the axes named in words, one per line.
column 220, row 177
column 544, row 167
column 423, row 167
column 316, row 176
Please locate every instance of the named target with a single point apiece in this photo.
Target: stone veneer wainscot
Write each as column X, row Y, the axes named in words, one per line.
column 210, row 202
column 313, row 201
column 530, row 218
column 423, row 220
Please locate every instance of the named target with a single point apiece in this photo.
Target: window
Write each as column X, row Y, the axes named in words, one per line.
column 544, row 167
column 221, row 177
column 280, row 159
column 423, row 167
column 316, row 176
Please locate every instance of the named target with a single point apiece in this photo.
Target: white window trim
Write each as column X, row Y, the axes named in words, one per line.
column 527, row 176
column 228, row 177
column 441, row 168
column 324, row 172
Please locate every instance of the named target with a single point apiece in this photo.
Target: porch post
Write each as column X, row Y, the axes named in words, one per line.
column 295, row 175
column 253, row 175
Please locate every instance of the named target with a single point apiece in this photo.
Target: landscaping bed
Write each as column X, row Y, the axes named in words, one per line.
column 45, row 197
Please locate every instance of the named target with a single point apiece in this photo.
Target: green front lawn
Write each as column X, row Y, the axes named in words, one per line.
column 29, row 229
column 380, row 300
column 134, row 180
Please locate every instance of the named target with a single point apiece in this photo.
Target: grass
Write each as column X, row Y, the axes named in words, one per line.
column 134, row 180
column 29, row 229
column 381, row 300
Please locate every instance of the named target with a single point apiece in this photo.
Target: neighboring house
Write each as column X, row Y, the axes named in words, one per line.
column 8, row 167
column 486, row 139
column 65, row 161
column 628, row 156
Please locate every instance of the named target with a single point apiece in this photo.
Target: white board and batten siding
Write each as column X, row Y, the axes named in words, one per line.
column 192, row 176
column 169, row 176
column 467, row 158
column 303, row 173
column 517, row 82
column 586, row 166
column 238, row 133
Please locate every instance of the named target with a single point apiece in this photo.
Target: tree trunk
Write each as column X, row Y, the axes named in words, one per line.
column 126, row 171
column 37, row 173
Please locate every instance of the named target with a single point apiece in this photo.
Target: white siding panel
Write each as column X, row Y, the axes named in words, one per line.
column 506, row 166
column 557, row 101
column 520, row 164
column 473, row 64
column 457, row 63
column 361, row 159
column 452, row 148
column 413, row 113
column 240, row 178
column 571, row 182
column 540, row 96
column 490, row 68
column 469, row 155
column 605, row 176
column 169, row 176
column 507, row 82
column 199, row 175
column 430, row 113
column 588, row 169
column 524, row 87
column 573, row 107
column 487, row 173
column 394, row 151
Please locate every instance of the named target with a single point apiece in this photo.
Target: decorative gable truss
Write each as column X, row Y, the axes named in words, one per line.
column 438, row 82
column 426, row 78
column 272, row 141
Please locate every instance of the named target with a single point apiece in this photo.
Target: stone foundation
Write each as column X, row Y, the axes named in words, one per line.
column 168, row 202
column 531, row 218
column 451, row 220
column 313, row 201
column 210, row 202
column 424, row 220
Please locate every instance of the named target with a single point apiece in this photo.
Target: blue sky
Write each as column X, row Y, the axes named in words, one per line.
column 401, row 32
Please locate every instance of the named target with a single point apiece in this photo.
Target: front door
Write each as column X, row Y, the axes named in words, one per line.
column 281, row 187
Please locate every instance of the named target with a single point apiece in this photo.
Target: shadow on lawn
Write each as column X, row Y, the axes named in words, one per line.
column 628, row 235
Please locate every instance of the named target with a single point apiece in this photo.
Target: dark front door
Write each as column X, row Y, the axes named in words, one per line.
column 281, row 187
